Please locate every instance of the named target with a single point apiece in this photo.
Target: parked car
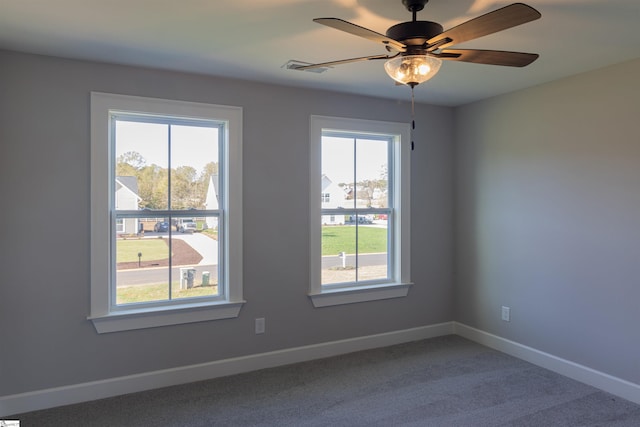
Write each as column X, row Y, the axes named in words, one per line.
column 362, row 219
column 187, row 226
column 367, row 219
column 161, row 226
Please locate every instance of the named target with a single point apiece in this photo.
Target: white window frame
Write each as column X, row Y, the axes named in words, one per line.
column 104, row 316
column 400, row 274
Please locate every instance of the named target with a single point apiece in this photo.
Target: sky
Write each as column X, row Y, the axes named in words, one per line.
column 191, row 146
column 197, row 146
column 338, row 154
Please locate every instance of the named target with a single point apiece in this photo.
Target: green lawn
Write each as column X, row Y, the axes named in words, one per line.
column 342, row 238
column 152, row 249
column 211, row 233
column 160, row 292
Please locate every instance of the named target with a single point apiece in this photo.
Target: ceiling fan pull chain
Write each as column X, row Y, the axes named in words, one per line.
column 413, row 118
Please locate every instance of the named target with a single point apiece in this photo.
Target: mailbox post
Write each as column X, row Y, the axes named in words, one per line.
column 343, row 257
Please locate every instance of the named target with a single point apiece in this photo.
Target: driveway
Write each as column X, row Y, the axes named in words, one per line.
column 204, row 245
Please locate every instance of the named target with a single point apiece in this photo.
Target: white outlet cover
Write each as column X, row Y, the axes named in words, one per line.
column 506, row 314
column 260, row 325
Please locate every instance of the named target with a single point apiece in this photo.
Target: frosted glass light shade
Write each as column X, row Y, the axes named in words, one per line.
column 412, row 69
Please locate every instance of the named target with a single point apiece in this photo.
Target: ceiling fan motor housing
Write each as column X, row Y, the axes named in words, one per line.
column 414, row 33
column 414, row 5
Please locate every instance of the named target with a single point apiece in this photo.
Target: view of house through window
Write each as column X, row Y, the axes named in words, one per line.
column 355, row 207
column 165, row 212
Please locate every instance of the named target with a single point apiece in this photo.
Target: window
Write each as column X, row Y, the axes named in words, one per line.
column 119, row 225
column 166, row 210
column 360, row 229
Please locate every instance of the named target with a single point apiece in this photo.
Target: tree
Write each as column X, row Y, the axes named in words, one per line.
column 372, row 189
column 209, row 169
column 366, row 190
column 129, row 163
column 188, row 188
column 152, row 187
column 132, row 158
column 183, row 189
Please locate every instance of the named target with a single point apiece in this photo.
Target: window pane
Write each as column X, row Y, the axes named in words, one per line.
column 144, row 259
column 337, row 173
column 194, row 167
column 372, row 247
column 142, row 152
column 142, row 273
column 371, row 173
column 338, row 254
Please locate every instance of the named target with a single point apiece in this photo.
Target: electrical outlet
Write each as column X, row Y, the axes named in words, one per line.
column 260, row 325
column 506, row 314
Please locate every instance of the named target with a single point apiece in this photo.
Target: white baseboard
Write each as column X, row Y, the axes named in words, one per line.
column 59, row 396
column 619, row 387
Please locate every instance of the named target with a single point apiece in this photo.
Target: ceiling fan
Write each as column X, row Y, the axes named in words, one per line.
column 417, row 48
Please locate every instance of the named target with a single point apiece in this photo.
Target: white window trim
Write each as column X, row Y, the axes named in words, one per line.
column 107, row 320
column 401, row 276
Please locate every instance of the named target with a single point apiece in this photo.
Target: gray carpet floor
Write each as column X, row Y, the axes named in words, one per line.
column 445, row 381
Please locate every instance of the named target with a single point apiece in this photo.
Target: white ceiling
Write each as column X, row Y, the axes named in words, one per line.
column 253, row 39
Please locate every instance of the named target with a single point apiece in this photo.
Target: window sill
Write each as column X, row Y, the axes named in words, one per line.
column 175, row 315
column 357, row 294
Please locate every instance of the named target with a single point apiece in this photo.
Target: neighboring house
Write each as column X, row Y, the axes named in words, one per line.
column 332, row 197
column 211, row 202
column 127, row 198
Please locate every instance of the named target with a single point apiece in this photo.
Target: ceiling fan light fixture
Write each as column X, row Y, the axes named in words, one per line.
column 412, row 69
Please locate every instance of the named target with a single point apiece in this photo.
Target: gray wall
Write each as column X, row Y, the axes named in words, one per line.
column 546, row 207
column 44, row 267
column 548, row 218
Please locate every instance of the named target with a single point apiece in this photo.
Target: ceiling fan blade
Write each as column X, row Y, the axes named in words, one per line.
column 492, row 22
column 341, row 61
column 489, row 57
column 359, row 31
